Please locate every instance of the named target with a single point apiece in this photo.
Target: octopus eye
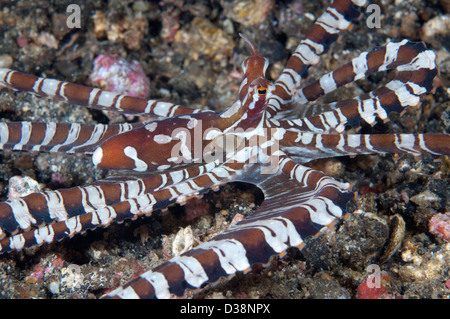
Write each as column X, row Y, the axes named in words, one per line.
column 262, row 91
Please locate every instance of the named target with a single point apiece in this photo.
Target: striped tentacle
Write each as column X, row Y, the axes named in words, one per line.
column 304, row 147
column 43, row 208
column 404, row 91
column 89, row 97
column 324, row 32
column 284, row 220
column 417, row 69
column 53, row 215
column 57, row 137
column 403, row 56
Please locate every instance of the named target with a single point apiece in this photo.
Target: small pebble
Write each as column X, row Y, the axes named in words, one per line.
column 54, row 288
column 425, row 199
column 22, row 186
column 5, row 61
column 438, row 26
column 248, row 12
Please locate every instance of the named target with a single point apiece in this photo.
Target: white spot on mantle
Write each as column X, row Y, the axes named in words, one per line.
column 132, row 153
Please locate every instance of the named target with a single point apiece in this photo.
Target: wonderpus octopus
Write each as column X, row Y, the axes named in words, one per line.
column 264, row 138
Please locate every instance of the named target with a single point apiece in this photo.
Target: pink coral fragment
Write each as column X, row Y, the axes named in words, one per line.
column 115, row 74
column 439, row 226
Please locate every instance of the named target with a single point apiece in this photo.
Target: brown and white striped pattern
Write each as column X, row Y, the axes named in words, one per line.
column 57, row 137
column 325, row 31
column 302, row 146
column 89, row 97
column 299, row 201
column 315, row 203
column 416, row 68
column 405, row 56
column 67, row 212
column 405, row 90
